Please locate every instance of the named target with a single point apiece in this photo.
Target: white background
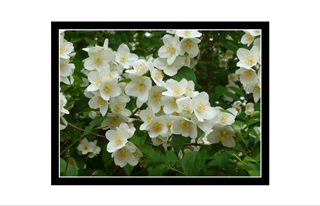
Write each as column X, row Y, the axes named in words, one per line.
column 26, row 102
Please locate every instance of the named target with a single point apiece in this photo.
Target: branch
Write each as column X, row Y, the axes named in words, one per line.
column 82, row 130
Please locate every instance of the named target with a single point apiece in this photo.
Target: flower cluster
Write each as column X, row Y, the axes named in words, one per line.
column 250, row 63
column 90, row 148
column 162, row 106
column 66, row 69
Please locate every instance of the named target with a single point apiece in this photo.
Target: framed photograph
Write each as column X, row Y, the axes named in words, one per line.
column 160, row 103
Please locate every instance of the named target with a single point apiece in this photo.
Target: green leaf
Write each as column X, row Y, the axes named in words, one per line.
column 158, row 170
column 186, row 73
column 215, row 148
column 178, row 141
column 193, row 162
column 128, row 169
column 147, row 150
column 93, row 123
column 233, row 96
column 222, row 158
column 230, row 45
column 138, row 140
column 254, row 173
column 246, row 165
column 237, row 90
column 226, row 111
column 81, row 103
column 237, row 130
column 80, row 55
column 90, row 41
column 255, row 154
column 220, row 90
column 249, row 159
column 71, row 170
column 171, row 155
column 79, row 159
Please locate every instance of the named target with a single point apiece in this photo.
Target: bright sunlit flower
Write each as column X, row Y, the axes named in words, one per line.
column 154, row 98
column 139, row 87
column 246, row 75
column 202, row 108
column 124, row 57
column 146, row 116
column 157, row 126
column 175, row 88
column 139, row 67
column 170, row 49
column 247, row 38
column 118, row 138
column 109, row 88
column 98, row 102
column 254, row 87
column 188, row 33
column 169, row 69
column 65, row 48
column 98, row 58
column 248, row 58
column 190, row 46
column 184, row 127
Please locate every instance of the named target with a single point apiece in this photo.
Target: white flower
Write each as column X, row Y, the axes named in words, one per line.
column 249, row 109
column 223, row 63
column 233, row 77
column 124, row 57
column 113, row 120
column 156, row 74
column 169, row 69
column 184, row 127
column 225, row 118
column 96, row 150
column 119, row 107
column 96, row 78
column 247, row 38
column 160, row 140
column 237, row 104
column 190, row 90
column 185, row 104
column 154, row 98
column 118, row 138
column 157, row 126
column 122, row 96
column 139, row 87
column 146, row 116
column 255, row 32
column 85, row 146
column 229, row 54
column 109, row 88
column 175, row 88
column 246, row 75
column 65, row 48
column 98, row 58
column 63, row 102
column 205, row 126
column 202, row 108
column 190, row 45
column 128, row 154
column 66, row 69
column 188, row 33
column 248, row 58
column 223, row 133
column 93, row 114
column 98, row 102
column 170, row 49
column 254, row 87
column 139, row 67
column 170, row 104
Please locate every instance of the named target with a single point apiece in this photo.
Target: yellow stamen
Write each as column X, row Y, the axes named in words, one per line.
column 123, row 57
column 249, row 59
column 248, row 36
column 157, row 126
column 223, row 135
column 63, row 48
column 108, row 88
column 223, row 118
column 170, row 48
column 184, row 125
column 117, row 140
column 176, row 90
column 201, row 107
column 123, row 153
